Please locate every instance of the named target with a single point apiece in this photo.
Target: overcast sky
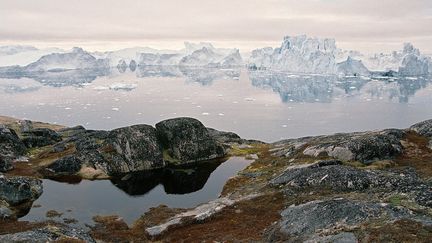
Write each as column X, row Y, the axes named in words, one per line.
column 366, row 25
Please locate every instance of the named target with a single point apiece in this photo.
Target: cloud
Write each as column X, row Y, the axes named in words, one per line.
column 243, row 21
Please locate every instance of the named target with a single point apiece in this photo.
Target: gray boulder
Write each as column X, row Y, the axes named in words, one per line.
column 19, row 190
column 224, row 137
column 133, row 148
column 5, row 211
column 68, row 165
column 340, row 178
column 187, row 140
column 424, row 128
column 10, row 148
column 308, row 218
column 40, row 137
column 364, row 146
column 25, row 125
column 61, row 233
column 5, row 164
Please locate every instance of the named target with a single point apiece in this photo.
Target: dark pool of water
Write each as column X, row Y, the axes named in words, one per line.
column 133, row 194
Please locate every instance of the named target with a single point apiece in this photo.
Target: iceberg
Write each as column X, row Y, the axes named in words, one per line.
column 408, row 62
column 299, row 54
column 75, row 60
column 352, row 67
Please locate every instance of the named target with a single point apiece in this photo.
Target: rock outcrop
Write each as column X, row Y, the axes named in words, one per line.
column 340, row 178
column 133, row 148
column 300, row 221
column 40, row 137
column 10, row 148
column 424, row 128
column 51, row 233
column 187, row 140
column 17, row 195
column 365, row 147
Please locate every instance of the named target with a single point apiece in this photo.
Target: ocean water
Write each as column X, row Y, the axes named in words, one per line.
column 262, row 105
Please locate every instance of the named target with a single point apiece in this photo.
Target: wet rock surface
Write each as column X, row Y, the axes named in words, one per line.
column 187, row 140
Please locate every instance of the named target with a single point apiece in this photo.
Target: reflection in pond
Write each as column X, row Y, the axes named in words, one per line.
column 181, row 180
column 132, row 195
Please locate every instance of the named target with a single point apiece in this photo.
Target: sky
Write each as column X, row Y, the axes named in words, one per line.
column 364, row 25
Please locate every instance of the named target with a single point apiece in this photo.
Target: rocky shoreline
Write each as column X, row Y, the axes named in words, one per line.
column 373, row 186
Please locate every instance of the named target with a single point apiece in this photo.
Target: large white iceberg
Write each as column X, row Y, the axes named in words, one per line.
column 74, row 60
column 408, row 62
column 299, row 54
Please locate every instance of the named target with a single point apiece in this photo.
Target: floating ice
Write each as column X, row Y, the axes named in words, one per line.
column 100, row 88
column 115, row 109
column 123, row 86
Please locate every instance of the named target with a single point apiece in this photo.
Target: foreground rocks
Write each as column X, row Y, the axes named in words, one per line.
column 50, row 233
column 17, row 195
column 101, row 154
column 373, row 186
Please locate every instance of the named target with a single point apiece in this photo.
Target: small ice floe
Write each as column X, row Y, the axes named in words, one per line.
column 68, row 108
column 284, row 125
column 411, row 78
column 221, row 114
column 236, row 78
column 235, row 102
column 122, row 86
column 352, row 87
column 249, row 99
column 115, row 109
column 205, row 113
column 100, row 88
